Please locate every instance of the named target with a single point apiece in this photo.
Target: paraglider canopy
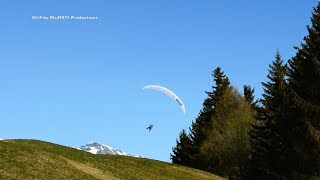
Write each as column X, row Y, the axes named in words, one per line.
column 169, row 93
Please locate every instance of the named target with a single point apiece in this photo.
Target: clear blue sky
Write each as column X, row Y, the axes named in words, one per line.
column 72, row 82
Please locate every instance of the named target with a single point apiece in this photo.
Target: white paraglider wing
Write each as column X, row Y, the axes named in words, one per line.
column 169, row 93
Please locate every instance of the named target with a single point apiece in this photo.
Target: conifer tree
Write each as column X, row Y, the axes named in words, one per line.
column 181, row 152
column 304, row 83
column 269, row 136
column 201, row 126
column 248, row 94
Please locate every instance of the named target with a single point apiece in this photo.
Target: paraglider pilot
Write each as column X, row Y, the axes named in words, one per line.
column 150, row 127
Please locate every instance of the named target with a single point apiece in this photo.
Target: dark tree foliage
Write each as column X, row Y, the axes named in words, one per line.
column 304, row 83
column 287, row 142
column 202, row 124
column 269, row 136
column 181, row 153
column 221, row 82
column 248, row 94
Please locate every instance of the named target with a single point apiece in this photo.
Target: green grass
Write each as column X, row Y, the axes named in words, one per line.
column 32, row 159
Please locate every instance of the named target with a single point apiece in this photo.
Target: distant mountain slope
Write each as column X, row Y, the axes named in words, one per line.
column 32, row 159
column 97, row 148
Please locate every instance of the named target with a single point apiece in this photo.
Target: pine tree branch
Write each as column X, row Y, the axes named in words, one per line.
column 313, row 132
column 305, row 105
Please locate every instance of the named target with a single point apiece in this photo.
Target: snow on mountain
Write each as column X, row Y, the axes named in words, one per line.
column 97, row 148
column 1, row 139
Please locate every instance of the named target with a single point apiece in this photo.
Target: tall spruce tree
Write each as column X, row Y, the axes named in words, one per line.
column 181, row 152
column 304, row 83
column 269, row 136
column 200, row 127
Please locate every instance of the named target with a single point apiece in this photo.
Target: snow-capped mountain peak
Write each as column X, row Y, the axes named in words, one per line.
column 97, row 148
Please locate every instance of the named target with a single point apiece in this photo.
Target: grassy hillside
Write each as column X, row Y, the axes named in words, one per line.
column 31, row 159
